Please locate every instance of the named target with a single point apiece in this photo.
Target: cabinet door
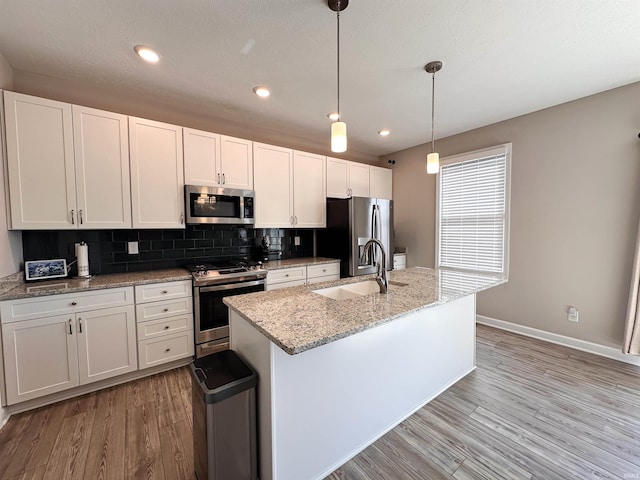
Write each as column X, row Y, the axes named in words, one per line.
column 359, row 179
column 236, row 163
column 273, row 169
column 40, row 357
column 101, row 143
column 157, row 178
column 380, row 182
column 201, row 158
column 309, row 187
column 337, row 178
column 40, row 163
column 106, row 343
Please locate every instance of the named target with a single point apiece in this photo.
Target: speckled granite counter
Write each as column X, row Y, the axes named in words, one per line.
column 298, row 262
column 19, row 289
column 297, row 319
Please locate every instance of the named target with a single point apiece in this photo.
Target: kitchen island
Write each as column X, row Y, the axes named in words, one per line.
column 335, row 375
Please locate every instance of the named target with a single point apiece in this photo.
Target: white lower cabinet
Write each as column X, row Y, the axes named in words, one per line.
column 40, row 357
column 106, row 343
column 304, row 275
column 50, row 354
column 164, row 322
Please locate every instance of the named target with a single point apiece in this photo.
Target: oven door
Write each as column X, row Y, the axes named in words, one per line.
column 211, row 314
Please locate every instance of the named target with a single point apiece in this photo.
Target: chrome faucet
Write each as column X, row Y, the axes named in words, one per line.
column 381, row 273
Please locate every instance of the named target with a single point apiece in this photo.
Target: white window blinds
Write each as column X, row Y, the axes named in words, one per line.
column 473, row 211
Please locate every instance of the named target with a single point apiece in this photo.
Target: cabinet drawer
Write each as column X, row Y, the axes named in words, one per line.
column 50, row 305
column 278, row 286
column 169, row 308
column 162, row 291
column 325, row 270
column 164, row 326
column 160, row 350
column 328, row 278
column 287, row 275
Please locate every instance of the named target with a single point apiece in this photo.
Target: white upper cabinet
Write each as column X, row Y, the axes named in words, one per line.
column 157, row 178
column 236, row 163
column 213, row 160
column 290, row 188
column 201, row 158
column 337, row 178
column 347, row 179
column 309, row 186
column 68, row 165
column 358, row 179
column 101, row 143
column 273, row 183
column 39, row 136
column 380, row 182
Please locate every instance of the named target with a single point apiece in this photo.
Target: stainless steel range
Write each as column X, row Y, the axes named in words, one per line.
column 211, row 283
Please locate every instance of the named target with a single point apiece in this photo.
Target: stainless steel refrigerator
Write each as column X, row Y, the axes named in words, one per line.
column 350, row 223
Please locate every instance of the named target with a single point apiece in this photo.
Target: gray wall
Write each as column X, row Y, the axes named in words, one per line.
column 10, row 242
column 575, row 205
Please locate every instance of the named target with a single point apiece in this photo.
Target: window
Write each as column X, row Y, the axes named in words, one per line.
column 473, row 211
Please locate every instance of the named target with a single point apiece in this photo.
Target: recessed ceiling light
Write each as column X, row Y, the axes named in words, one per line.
column 261, row 91
column 384, row 132
column 334, row 116
column 147, row 54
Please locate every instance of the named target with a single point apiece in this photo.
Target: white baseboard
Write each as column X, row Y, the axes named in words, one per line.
column 570, row 342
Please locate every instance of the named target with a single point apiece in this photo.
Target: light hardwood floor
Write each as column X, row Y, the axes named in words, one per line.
column 531, row 410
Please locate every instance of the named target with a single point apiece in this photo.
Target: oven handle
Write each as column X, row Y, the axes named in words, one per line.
column 231, row 286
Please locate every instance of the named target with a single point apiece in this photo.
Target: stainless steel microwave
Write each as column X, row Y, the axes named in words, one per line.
column 219, row 205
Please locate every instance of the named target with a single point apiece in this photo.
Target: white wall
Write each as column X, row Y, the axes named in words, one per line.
column 10, row 242
column 575, row 205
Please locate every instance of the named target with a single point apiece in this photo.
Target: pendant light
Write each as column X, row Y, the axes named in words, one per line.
column 433, row 159
column 338, row 128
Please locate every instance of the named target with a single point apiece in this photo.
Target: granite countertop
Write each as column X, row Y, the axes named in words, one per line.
column 297, row 319
column 14, row 288
column 297, row 262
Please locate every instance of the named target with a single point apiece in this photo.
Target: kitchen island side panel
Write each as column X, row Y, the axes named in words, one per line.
column 329, row 403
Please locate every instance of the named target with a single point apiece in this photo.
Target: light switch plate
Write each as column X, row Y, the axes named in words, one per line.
column 132, row 248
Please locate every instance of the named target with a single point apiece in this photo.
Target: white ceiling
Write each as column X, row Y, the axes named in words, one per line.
column 502, row 58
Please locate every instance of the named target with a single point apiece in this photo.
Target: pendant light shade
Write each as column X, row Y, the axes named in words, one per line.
column 338, row 128
column 338, row 137
column 433, row 159
column 433, row 163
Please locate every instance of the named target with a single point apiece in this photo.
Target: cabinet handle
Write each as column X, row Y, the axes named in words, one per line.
column 73, row 218
column 80, row 216
column 286, row 274
column 324, row 270
column 219, row 178
column 166, row 327
column 79, row 325
column 164, row 292
column 296, row 219
column 70, row 330
column 223, row 179
column 73, row 304
column 181, row 218
column 166, row 310
column 167, row 350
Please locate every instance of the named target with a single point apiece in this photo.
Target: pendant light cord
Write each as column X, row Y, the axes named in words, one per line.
column 433, row 111
column 338, row 42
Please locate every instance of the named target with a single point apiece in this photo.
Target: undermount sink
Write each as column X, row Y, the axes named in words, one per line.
column 351, row 290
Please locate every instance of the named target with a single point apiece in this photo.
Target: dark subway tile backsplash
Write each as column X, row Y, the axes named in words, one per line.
column 164, row 248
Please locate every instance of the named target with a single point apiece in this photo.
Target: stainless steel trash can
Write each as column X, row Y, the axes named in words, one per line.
column 224, row 418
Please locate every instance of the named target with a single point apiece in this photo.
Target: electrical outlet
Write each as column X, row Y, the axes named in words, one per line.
column 572, row 314
column 296, row 241
column 132, row 248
